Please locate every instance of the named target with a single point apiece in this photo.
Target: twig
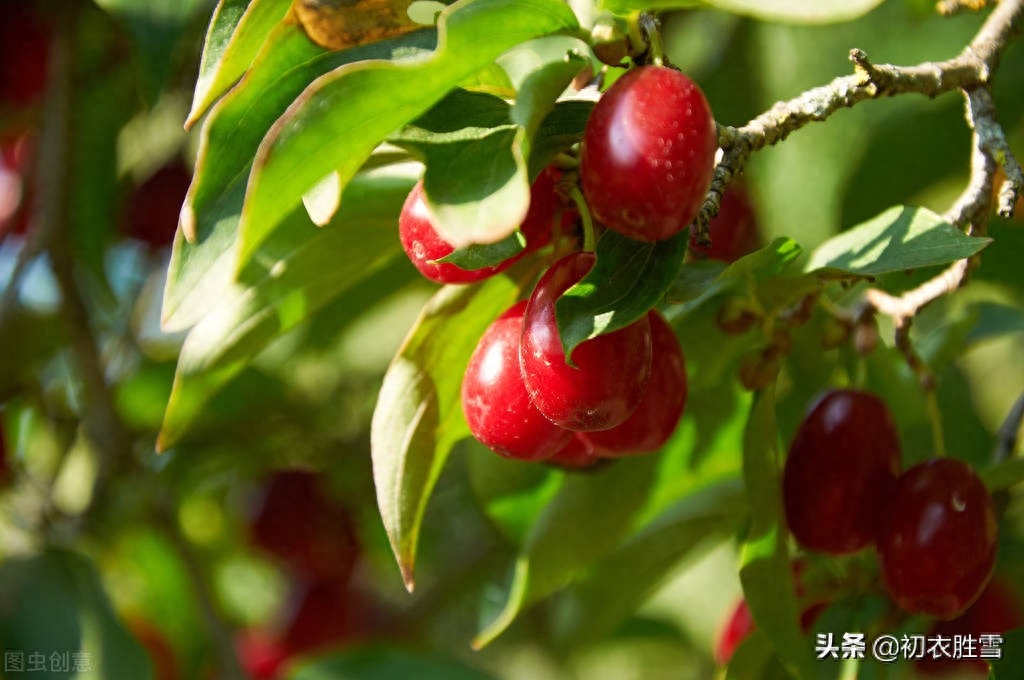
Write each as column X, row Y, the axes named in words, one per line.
column 992, row 140
column 970, row 69
column 951, row 7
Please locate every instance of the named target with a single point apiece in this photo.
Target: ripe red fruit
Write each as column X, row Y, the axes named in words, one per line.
column 937, row 542
column 997, row 610
column 656, row 417
column 611, row 371
column 494, row 399
column 734, row 231
column 575, row 455
column 153, row 208
column 842, row 463
column 298, row 522
column 648, row 154
column 424, row 245
column 24, row 54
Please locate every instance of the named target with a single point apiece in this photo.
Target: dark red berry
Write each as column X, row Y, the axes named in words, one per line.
column 937, row 541
column 648, row 154
column 575, row 455
column 842, row 464
column 155, row 205
column 298, row 522
column 547, row 210
column 606, row 383
column 734, row 231
column 494, row 399
column 656, row 417
column 24, row 54
column 997, row 610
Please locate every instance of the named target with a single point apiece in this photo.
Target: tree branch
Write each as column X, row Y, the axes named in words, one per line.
column 971, row 69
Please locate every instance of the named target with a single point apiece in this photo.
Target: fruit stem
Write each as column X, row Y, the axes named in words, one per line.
column 589, row 236
column 935, row 416
column 647, row 25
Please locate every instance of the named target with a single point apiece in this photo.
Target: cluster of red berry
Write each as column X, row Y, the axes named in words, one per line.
column 933, row 525
column 645, row 165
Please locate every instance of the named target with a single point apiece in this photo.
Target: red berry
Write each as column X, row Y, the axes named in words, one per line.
column 843, row 461
column 327, row 614
column 24, row 54
column 737, row 628
column 648, row 154
column 546, row 207
column 937, row 542
column 611, row 371
column 424, row 245
column 298, row 522
column 575, row 455
column 261, row 655
column 494, row 398
column 734, row 231
column 155, row 205
column 997, row 610
column 656, row 417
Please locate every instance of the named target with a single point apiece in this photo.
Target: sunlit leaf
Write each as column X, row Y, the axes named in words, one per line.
column 336, row 122
column 900, row 238
column 418, row 417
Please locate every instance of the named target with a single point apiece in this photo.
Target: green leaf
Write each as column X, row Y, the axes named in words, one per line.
column 899, row 238
column 541, row 70
column 794, row 11
column 751, row 658
column 629, row 278
column 201, row 271
column 478, row 256
column 54, row 603
column 1011, row 664
column 385, row 663
column 305, row 268
column 766, row 573
column 700, row 282
column 418, row 417
column 993, row 320
column 559, row 130
column 339, row 119
column 233, row 39
column 589, row 516
column 619, row 583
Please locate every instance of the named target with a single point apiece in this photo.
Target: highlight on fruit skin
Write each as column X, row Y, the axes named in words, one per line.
column 842, row 464
column 648, row 154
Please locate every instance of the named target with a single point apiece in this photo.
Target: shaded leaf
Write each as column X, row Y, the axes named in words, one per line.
column 766, row 573
column 418, row 417
column 235, row 34
column 629, row 278
column 54, row 603
column 795, row 11
column 899, row 238
column 341, row 117
column 591, row 513
column 385, row 663
column 306, row 268
column 479, row 256
column 618, row 584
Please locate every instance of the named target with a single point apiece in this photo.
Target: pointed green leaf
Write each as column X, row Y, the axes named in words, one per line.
column 478, row 256
column 418, row 417
column 233, row 38
column 336, row 123
column 766, row 573
column 899, row 238
column 629, row 278
column 589, row 516
column 306, row 268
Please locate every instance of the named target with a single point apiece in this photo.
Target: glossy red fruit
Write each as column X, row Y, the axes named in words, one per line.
column 494, row 399
column 842, row 464
column 261, row 654
column 648, row 154
column 576, row 455
column 153, row 208
column 937, row 541
column 424, row 245
column 997, row 610
column 298, row 522
column 611, row 371
column 655, row 419
column 547, row 210
column 734, row 231
column 24, row 54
